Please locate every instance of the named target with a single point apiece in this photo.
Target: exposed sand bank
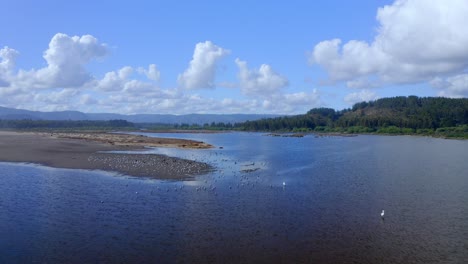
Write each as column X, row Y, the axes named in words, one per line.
column 132, row 140
column 81, row 151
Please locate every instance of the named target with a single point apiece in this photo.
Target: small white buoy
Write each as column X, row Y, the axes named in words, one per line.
column 382, row 213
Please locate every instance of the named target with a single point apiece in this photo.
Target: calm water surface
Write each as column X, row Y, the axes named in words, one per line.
column 328, row 211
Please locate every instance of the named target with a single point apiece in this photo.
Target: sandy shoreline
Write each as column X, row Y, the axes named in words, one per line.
column 81, row 151
column 128, row 140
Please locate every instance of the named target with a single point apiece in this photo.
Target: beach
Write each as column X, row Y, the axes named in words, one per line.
column 89, row 151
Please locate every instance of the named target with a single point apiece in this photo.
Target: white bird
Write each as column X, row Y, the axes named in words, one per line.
column 284, row 183
column 382, row 213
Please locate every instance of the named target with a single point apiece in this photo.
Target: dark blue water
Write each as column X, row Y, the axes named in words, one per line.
column 328, row 211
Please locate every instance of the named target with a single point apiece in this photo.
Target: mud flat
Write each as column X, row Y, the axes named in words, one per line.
column 84, row 151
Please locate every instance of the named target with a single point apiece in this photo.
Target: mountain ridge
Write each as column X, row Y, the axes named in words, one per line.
column 19, row 114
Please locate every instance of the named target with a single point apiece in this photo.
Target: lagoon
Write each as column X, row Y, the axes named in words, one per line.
column 328, row 211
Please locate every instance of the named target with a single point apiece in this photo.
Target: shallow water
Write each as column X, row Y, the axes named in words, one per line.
column 328, row 211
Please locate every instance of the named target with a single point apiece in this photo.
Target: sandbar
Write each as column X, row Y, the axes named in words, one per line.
column 85, row 151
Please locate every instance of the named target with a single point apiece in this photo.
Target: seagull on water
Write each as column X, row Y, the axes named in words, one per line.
column 382, row 213
column 284, row 183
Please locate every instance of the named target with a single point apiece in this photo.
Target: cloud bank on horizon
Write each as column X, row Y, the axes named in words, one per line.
column 416, row 42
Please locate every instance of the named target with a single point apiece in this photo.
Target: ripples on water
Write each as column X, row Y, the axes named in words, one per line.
column 328, row 211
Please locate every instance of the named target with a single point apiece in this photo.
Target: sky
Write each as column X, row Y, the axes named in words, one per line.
column 223, row 57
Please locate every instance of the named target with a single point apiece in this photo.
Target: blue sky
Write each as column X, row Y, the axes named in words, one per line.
column 279, row 57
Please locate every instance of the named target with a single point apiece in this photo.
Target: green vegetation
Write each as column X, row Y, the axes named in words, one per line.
column 184, row 126
column 442, row 117
column 412, row 115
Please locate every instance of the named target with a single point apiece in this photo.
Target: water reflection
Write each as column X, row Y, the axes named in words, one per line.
column 327, row 212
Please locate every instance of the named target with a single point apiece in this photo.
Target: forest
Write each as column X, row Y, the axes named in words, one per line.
column 396, row 115
column 435, row 116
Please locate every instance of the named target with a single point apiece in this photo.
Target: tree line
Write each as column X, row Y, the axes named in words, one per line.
column 395, row 115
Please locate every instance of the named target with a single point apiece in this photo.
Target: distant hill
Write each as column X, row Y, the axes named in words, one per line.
column 409, row 112
column 19, row 114
column 395, row 115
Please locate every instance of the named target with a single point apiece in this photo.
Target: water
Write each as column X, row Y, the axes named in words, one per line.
column 328, row 211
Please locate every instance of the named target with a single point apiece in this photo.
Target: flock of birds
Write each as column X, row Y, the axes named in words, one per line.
column 247, row 174
column 150, row 165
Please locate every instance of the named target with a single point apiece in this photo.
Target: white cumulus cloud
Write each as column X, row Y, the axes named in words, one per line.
column 363, row 95
column 66, row 59
column 202, row 68
column 62, row 97
column 7, row 64
column 64, row 83
column 87, row 99
column 260, row 82
column 8, row 59
column 454, row 86
column 115, row 80
column 121, row 81
column 417, row 41
column 152, row 73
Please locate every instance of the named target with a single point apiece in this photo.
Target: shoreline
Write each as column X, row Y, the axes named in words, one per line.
column 84, row 151
column 340, row 134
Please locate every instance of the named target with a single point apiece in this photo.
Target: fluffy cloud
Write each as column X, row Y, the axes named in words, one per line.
column 115, row 80
column 125, row 94
column 417, row 41
column 266, row 87
column 363, row 95
column 202, row 68
column 66, row 58
column 87, row 99
column 41, row 100
column 120, row 81
column 357, row 59
column 290, row 103
column 303, row 98
column 260, row 82
column 363, row 83
column 455, row 86
column 152, row 73
column 65, row 84
column 176, row 102
column 61, row 97
column 7, row 64
column 8, row 59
